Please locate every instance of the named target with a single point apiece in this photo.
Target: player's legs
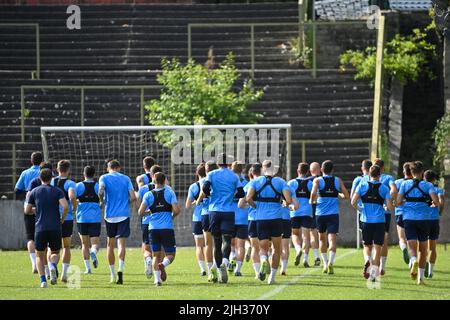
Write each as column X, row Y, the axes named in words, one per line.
column 284, row 255
column 323, row 246
column 166, row 238
column 315, row 245
column 110, row 246
column 432, row 257
column 331, row 251
column 402, row 242
column 66, row 256
column 254, row 242
column 306, row 236
column 199, row 246
column 240, row 247
column 29, row 228
column 422, row 258
column 384, row 254
column 297, row 239
column 85, row 241
column 232, row 257
column 95, row 247
column 156, row 263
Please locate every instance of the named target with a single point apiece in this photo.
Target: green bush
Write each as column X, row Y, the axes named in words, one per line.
column 441, row 136
column 194, row 94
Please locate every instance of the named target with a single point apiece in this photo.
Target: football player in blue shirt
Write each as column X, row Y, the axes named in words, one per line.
column 222, row 185
column 325, row 193
column 254, row 173
column 365, row 167
column 435, row 212
column 302, row 218
column 47, row 200
column 68, row 187
column 399, row 213
column 163, row 208
column 416, row 196
column 197, row 231
column 146, row 177
column 370, row 197
column 315, row 171
column 20, row 189
column 117, row 192
column 266, row 194
column 389, row 182
column 89, row 218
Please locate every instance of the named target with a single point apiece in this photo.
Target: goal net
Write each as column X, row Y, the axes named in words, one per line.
column 177, row 149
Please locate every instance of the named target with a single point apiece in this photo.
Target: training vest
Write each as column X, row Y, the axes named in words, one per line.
column 329, row 191
column 149, row 176
column 424, row 198
column 150, row 186
column 60, row 183
column 199, row 190
column 302, row 189
column 276, row 198
column 89, row 194
column 373, row 194
column 159, row 203
column 237, row 199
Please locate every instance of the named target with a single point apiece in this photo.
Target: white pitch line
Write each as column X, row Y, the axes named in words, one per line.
column 280, row 288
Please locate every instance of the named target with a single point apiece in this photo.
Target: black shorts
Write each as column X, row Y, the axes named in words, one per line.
column 399, row 220
column 373, row 233
column 197, row 228
column 162, row 238
column 145, row 237
column 387, row 223
column 287, row 229
column 205, row 222
column 417, row 230
column 91, row 229
column 118, row 229
column 30, row 223
column 434, row 230
column 268, row 229
column 221, row 223
column 67, row 229
column 241, row 231
column 44, row 239
column 302, row 222
column 328, row 223
column 252, row 232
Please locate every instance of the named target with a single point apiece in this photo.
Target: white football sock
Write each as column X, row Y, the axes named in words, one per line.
column 210, row 265
column 225, row 261
column 201, row 264
column 273, row 272
column 65, row 268
column 33, row 260
column 402, row 246
column 325, row 259
column 247, row 245
column 166, row 262
column 284, row 264
column 305, row 257
column 111, row 269
column 148, row 259
column 157, row 274
column 263, row 258
column 383, row 263
column 298, row 248
column 46, row 270
column 121, row 265
column 238, row 266
column 366, row 258
column 51, row 266
column 332, row 255
column 256, row 267
column 87, row 265
column 232, row 255
column 413, row 259
column 316, row 253
column 420, row 275
column 430, row 268
column 373, row 271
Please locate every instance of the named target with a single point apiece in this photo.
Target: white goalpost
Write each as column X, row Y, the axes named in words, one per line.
column 177, row 149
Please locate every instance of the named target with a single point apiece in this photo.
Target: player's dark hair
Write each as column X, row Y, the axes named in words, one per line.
column 210, row 166
column 374, row 171
column 238, row 167
column 379, row 162
column 89, row 171
column 366, row 164
column 256, row 169
column 148, row 162
column 64, row 165
column 37, row 158
column 327, row 166
column 45, row 175
column 303, row 168
column 430, row 175
column 114, row 164
column 407, row 168
column 45, row 165
column 155, row 169
column 160, row 178
column 417, row 168
column 201, row 170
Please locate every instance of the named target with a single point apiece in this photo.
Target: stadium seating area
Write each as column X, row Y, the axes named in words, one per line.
column 123, row 45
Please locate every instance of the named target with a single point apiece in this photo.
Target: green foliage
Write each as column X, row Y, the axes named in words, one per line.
column 405, row 58
column 441, row 136
column 194, row 94
column 383, row 152
column 298, row 55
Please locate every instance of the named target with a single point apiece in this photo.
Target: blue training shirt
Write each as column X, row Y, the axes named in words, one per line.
column 224, row 183
column 205, row 202
column 388, row 181
column 240, row 214
column 416, row 210
column 285, row 212
column 434, row 211
column 46, row 200
column 87, row 212
column 399, row 209
column 268, row 210
column 160, row 220
column 193, row 193
column 251, row 210
column 305, row 208
column 327, row 206
column 67, row 186
column 116, row 196
column 142, row 191
column 372, row 212
column 25, row 178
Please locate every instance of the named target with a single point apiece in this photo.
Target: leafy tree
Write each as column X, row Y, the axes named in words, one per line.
column 441, row 136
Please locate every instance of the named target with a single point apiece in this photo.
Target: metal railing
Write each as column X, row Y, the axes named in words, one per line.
column 82, row 89
column 252, row 25
column 37, row 72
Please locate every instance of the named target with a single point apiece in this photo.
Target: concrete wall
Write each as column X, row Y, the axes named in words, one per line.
column 12, row 230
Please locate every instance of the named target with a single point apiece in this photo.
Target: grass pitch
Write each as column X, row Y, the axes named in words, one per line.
column 184, row 280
